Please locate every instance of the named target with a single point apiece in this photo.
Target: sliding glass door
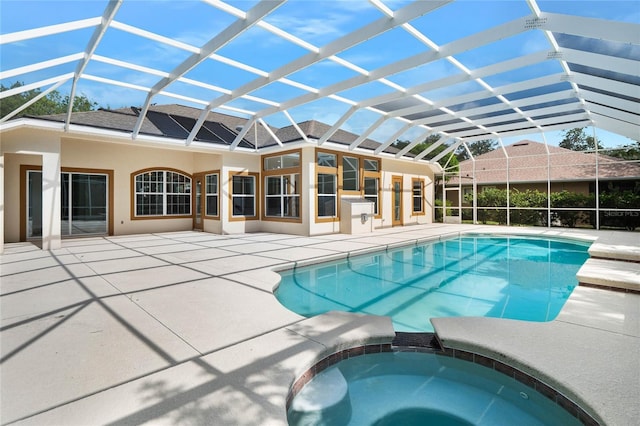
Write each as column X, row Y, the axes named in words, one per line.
column 84, row 206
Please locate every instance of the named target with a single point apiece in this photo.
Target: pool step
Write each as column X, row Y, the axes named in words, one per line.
column 620, row 248
column 613, row 274
column 324, row 400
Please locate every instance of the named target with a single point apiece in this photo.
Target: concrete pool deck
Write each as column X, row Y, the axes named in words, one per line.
column 183, row 328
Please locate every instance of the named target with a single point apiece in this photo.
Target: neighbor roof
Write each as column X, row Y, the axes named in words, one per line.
column 410, row 68
column 528, row 161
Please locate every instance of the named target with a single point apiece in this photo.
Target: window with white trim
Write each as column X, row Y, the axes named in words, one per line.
column 327, row 195
column 350, row 178
column 417, row 196
column 211, row 195
column 243, row 195
column 284, row 161
column 282, row 198
column 162, row 193
column 282, row 186
column 371, row 190
column 338, row 175
column 371, row 183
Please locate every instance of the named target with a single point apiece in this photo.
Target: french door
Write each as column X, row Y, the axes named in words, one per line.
column 198, row 204
column 396, row 199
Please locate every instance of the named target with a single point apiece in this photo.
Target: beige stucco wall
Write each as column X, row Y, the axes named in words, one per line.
column 24, row 147
column 12, row 192
column 390, row 168
column 408, row 171
column 236, row 162
column 307, row 193
column 122, row 158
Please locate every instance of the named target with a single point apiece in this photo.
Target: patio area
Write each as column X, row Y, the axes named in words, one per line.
column 183, row 327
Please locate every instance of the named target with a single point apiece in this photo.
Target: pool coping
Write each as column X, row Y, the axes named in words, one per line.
column 526, row 379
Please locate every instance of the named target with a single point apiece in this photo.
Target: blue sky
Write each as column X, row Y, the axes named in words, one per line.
column 195, row 22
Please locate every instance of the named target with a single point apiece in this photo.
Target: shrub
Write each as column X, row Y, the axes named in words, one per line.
column 527, row 199
column 438, row 209
column 566, row 199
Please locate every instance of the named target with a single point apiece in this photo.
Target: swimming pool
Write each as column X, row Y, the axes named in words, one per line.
column 473, row 275
column 411, row 388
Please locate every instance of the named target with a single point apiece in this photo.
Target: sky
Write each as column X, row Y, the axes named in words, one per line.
column 318, row 23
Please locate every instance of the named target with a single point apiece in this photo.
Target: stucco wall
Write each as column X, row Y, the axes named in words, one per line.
column 390, row 168
column 124, row 157
column 12, row 192
column 408, row 171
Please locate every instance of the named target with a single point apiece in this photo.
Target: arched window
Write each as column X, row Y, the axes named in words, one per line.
column 160, row 192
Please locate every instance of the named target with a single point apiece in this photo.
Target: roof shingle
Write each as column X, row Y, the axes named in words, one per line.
column 527, row 161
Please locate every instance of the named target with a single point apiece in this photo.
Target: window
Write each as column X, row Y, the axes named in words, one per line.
column 350, row 169
column 211, row 195
column 338, row 174
column 326, row 159
column 243, row 195
column 417, row 195
column 371, row 165
column 326, row 185
column 327, row 195
column 371, row 183
column 282, row 198
column 283, row 185
column 371, row 188
column 162, row 193
column 284, row 161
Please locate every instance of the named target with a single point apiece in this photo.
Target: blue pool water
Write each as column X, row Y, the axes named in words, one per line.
column 409, row 388
column 491, row 276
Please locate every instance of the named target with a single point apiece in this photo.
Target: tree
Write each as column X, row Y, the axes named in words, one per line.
column 576, row 140
column 449, row 160
column 477, row 148
column 629, row 151
column 418, row 148
column 53, row 103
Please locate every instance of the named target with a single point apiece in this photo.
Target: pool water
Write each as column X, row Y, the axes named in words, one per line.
column 492, row 276
column 411, row 388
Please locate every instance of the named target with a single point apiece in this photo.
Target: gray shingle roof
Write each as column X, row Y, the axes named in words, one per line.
column 123, row 119
column 315, row 130
column 176, row 121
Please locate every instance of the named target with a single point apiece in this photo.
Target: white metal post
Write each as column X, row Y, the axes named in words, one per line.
column 546, row 147
column 595, row 141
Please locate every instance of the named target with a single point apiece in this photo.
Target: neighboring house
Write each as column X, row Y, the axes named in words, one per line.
column 528, row 165
column 94, row 178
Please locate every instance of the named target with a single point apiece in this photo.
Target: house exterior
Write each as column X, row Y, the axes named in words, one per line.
column 529, row 165
column 93, row 178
